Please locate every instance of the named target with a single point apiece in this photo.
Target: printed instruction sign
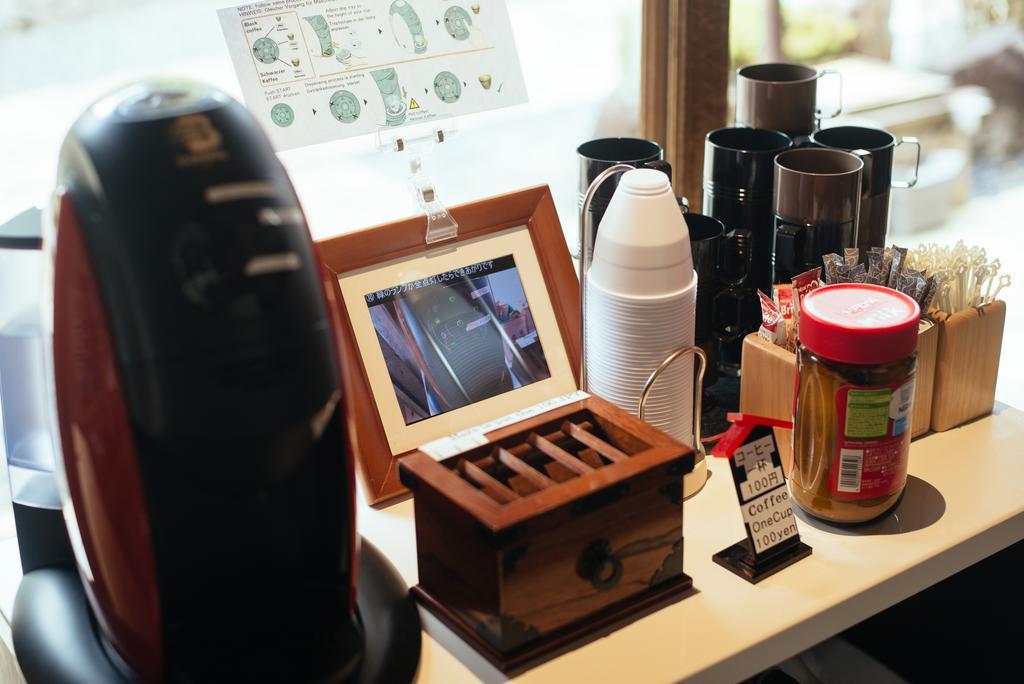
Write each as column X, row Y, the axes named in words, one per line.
column 773, row 541
column 313, row 71
column 763, row 496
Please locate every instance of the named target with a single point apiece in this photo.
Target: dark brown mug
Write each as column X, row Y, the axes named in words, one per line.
column 874, row 206
column 596, row 156
column 782, row 97
column 817, row 205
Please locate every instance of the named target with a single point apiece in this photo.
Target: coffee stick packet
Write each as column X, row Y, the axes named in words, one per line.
column 851, row 256
column 875, row 264
column 782, row 294
column 846, row 274
column 773, row 326
column 917, row 285
column 899, row 255
column 886, row 264
column 802, row 284
column 904, row 283
column 872, row 278
column 832, row 264
column 921, row 289
column 931, row 291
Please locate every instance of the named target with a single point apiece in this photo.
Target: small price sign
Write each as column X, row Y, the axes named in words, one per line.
column 773, row 541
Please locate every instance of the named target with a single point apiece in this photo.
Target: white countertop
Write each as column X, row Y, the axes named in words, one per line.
column 964, row 501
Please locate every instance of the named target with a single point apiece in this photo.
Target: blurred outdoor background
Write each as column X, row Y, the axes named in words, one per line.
column 950, row 72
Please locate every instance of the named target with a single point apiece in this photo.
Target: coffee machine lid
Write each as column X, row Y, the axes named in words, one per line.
column 158, row 99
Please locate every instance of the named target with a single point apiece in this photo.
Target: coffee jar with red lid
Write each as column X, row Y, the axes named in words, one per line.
column 856, row 358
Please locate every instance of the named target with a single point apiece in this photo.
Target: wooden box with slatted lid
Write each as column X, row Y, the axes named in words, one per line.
column 560, row 527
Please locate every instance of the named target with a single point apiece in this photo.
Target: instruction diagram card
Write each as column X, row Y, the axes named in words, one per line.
column 313, row 71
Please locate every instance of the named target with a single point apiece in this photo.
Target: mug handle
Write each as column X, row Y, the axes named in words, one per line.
column 741, row 235
column 789, row 243
column 839, row 108
column 910, row 140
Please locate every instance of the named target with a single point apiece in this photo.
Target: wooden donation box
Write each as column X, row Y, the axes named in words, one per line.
column 560, row 525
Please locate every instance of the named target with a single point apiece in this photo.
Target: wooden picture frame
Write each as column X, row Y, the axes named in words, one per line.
column 532, row 207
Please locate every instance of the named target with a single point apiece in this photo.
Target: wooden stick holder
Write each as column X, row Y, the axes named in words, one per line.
column 969, row 344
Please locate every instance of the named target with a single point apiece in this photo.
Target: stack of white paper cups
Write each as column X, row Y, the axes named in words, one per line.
column 640, row 303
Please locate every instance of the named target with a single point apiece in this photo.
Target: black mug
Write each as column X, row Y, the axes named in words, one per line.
column 739, row 171
column 595, row 156
column 873, row 223
column 706, row 237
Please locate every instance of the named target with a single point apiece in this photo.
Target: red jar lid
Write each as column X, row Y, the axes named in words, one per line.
column 859, row 323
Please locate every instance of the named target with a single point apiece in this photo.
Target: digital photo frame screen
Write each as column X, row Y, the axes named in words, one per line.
column 457, row 337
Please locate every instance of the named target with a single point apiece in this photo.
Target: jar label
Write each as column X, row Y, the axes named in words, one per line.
column 874, row 440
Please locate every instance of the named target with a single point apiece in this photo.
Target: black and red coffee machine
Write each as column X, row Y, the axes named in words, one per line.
column 207, row 480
